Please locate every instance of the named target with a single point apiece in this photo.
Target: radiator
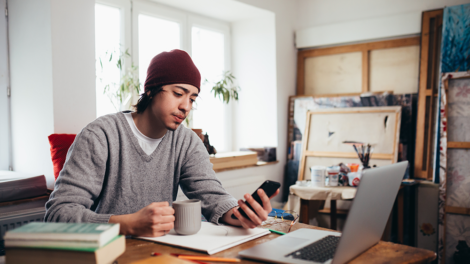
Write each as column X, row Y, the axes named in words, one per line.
column 12, row 220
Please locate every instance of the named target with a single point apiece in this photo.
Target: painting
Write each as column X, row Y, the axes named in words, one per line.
column 455, row 52
column 454, row 180
column 458, row 230
column 299, row 105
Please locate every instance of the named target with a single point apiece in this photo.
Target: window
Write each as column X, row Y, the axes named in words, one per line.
column 157, row 28
column 208, row 55
column 155, row 36
column 107, row 40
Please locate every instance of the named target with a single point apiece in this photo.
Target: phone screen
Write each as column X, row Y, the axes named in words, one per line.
column 269, row 187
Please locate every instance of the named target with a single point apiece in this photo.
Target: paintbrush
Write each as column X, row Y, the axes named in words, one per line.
column 359, row 155
column 363, row 158
column 367, row 156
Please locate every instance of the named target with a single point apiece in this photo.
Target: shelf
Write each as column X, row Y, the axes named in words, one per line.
column 258, row 164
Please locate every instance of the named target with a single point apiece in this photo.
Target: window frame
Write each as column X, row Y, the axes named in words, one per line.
column 6, row 154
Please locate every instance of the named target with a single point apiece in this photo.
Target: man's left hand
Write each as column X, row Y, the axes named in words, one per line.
column 255, row 216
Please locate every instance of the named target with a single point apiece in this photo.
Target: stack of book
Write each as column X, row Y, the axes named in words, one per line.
column 22, row 199
column 233, row 159
column 15, row 185
column 74, row 243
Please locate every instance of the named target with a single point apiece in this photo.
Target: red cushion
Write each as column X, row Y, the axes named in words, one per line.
column 60, row 144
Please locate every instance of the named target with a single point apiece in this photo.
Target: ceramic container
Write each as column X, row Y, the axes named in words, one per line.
column 187, row 216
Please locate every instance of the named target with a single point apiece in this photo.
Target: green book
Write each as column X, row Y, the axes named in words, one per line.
column 103, row 255
column 54, row 235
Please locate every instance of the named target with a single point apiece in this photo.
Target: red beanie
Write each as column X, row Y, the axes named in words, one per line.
column 172, row 67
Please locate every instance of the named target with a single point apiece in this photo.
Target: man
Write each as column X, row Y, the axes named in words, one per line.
column 126, row 167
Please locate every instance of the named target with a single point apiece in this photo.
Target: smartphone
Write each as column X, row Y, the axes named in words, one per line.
column 269, row 187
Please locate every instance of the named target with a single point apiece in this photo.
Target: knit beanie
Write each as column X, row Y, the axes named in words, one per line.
column 172, row 67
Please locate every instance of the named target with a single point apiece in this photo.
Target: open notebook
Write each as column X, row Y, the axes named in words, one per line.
column 211, row 238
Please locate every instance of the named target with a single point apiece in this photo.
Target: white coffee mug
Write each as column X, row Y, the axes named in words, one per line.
column 318, row 176
column 187, row 216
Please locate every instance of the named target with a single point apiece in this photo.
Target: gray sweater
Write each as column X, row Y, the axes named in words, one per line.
column 107, row 173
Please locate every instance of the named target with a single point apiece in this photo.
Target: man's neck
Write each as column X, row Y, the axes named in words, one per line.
column 148, row 126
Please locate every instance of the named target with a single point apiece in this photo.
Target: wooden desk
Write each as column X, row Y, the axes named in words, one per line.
column 392, row 253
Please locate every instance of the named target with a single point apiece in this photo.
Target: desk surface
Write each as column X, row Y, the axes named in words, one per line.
column 393, row 253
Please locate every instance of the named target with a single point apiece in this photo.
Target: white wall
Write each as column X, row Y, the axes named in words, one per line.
column 52, row 76
column 323, row 12
column 323, row 22
column 254, row 65
column 73, row 64
column 31, row 85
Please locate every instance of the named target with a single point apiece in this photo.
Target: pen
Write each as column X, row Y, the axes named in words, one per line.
column 277, row 232
column 200, row 258
column 153, row 254
column 207, row 258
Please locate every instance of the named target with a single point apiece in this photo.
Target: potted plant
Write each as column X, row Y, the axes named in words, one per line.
column 120, row 94
column 225, row 89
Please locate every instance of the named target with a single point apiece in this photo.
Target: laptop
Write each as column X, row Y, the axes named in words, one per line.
column 363, row 229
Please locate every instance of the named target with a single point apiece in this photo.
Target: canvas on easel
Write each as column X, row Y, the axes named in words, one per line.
column 327, row 129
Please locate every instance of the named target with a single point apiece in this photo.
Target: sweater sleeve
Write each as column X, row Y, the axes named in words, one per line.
column 198, row 181
column 80, row 182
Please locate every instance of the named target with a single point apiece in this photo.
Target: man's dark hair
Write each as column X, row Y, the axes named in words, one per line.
column 146, row 98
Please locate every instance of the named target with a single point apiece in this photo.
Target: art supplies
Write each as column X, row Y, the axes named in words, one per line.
column 333, row 175
column 276, row 232
column 157, row 258
column 211, row 238
column 363, row 151
column 318, row 174
column 198, row 258
column 354, row 178
column 353, row 166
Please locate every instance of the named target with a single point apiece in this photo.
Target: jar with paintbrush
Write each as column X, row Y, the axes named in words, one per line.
column 363, row 150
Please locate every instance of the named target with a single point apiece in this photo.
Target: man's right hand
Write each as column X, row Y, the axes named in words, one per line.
column 156, row 219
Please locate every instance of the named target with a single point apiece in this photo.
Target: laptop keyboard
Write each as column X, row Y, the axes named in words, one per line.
column 319, row 251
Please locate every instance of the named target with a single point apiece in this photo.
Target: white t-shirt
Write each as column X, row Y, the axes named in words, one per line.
column 146, row 143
